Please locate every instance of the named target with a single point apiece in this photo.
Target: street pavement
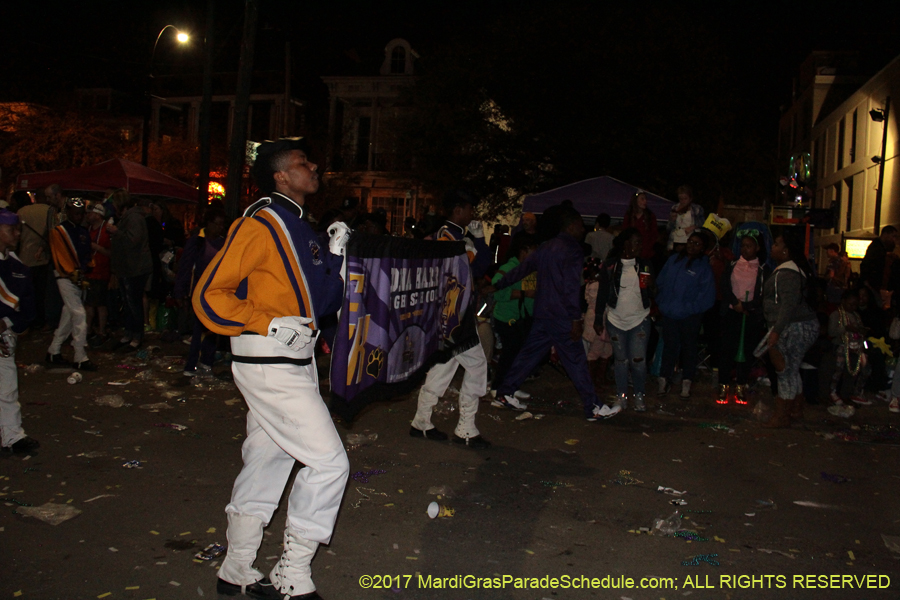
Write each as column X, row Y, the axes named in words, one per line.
column 555, row 497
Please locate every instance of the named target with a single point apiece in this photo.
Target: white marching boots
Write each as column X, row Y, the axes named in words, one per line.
column 292, row 575
column 244, row 535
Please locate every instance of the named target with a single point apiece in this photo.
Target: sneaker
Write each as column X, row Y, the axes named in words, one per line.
column 129, row 347
column 740, row 394
column 57, row 360
column 522, row 395
column 261, row 590
column 477, row 442
column 685, row 389
column 204, row 370
column 639, row 403
column 85, row 365
column 861, row 400
column 884, row 395
column 835, row 398
column 190, row 373
column 429, row 434
column 894, row 406
column 621, row 402
column 26, row 444
column 604, row 412
column 722, row 396
column 508, row 402
column 96, row 340
column 839, row 410
column 664, row 386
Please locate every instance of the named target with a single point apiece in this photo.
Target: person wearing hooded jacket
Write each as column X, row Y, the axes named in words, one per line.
column 793, row 324
column 686, row 290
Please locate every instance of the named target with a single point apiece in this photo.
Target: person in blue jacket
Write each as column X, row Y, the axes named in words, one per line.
column 17, row 311
column 687, row 289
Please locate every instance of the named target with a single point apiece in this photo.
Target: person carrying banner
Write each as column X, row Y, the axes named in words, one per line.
column 17, row 311
column 70, row 245
column 459, row 206
column 557, row 316
column 267, row 288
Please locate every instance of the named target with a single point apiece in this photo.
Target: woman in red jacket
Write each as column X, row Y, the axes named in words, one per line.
column 642, row 218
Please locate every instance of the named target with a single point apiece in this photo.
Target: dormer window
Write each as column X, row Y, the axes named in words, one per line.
column 398, row 60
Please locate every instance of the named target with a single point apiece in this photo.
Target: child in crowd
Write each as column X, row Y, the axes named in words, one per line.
column 596, row 345
column 847, row 333
column 742, row 294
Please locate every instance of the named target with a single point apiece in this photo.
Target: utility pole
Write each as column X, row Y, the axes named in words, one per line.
column 238, row 150
column 206, row 107
column 886, row 112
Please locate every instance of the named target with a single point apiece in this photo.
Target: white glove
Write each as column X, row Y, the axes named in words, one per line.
column 291, row 331
column 339, row 233
column 470, row 246
column 476, row 229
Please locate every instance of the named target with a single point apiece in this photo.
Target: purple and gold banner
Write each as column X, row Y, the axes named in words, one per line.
column 406, row 307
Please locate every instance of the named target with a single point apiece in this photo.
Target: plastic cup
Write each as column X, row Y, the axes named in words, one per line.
column 439, row 510
column 74, row 378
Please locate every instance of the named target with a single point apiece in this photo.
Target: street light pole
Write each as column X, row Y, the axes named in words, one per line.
column 182, row 37
column 884, row 114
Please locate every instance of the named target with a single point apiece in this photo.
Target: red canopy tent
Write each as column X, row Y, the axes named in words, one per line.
column 115, row 173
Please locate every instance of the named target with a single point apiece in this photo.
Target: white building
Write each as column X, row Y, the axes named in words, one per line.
column 842, row 143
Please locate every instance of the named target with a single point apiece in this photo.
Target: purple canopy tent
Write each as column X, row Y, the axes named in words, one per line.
column 592, row 197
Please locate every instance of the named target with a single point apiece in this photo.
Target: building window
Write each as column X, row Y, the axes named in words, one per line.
column 853, row 137
column 363, row 138
column 848, row 187
column 398, row 60
column 842, row 126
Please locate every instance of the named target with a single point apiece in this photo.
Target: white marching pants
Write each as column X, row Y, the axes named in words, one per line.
column 288, row 421
column 10, row 412
column 72, row 321
column 474, row 386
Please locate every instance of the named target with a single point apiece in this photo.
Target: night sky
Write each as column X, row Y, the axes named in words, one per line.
column 48, row 49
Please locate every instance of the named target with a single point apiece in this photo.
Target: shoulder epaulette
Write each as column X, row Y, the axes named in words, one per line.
column 257, row 206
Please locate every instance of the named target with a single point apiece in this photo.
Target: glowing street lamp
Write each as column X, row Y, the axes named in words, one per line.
column 182, row 38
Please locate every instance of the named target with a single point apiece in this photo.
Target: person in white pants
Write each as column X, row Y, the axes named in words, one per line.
column 459, row 206
column 17, row 310
column 266, row 288
column 70, row 244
